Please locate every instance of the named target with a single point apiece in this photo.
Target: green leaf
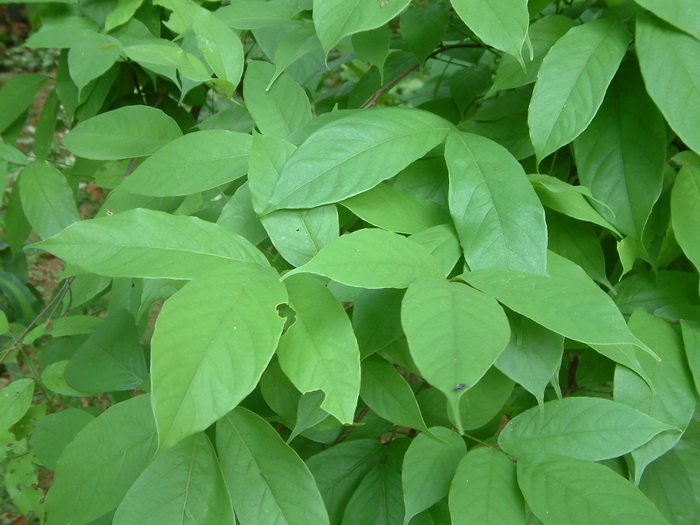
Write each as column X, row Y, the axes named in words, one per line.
column 150, row 244
column 485, row 489
column 376, row 319
column 239, row 216
column 184, row 484
column 319, row 351
column 378, row 498
column 428, row 468
column 97, row 468
column 392, row 209
column 221, row 48
column 666, row 56
column 442, row 243
column 279, row 109
column 131, row 131
column 44, row 135
column 295, row 45
column 485, row 400
column 621, row 155
column 91, row 58
column 684, row 14
column 586, row 428
column 360, row 151
column 122, row 13
column 246, row 14
column 111, row 359
column 54, row 432
column 195, row 162
column 575, row 492
column 11, row 154
column 653, row 291
column 47, row 200
column 373, row 46
column 267, row 481
column 691, row 341
column 268, row 156
column 335, row 19
column 423, row 28
column 201, row 371
column 15, row 400
column 387, row 393
column 685, row 212
column 372, row 258
column 454, row 333
column 502, row 25
column 16, row 95
column 572, row 82
column 498, row 217
column 309, row 413
column 339, row 470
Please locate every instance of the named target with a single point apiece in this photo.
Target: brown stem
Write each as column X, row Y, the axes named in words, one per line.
column 345, row 434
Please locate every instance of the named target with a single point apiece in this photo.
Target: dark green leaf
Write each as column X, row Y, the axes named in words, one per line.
column 53, row 433
column 15, row 400
column 378, row 499
column 16, row 96
column 685, row 212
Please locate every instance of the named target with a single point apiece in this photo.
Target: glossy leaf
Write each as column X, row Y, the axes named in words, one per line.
column 361, row 150
column 566, row 490
column 200, row 371
column 485, row 489
column 131, row 131
column 221, row 48
column 486, row 182
column 685, row 212
column 151, row 244
column 572, row 82
column 372, row 258
column 378, row 498
column 183, row 485
column 319, row 351
column 15, row 400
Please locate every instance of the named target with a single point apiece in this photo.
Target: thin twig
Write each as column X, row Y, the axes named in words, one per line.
column 345, row 434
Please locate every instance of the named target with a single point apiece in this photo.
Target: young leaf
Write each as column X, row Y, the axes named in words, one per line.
column 428, row 468
column 378, row 498
column 498, row 217
column 621, row 155
column 360, row 151
column 221, row 48
column 485, row 489
column 201, row 370
column 150, row 244
column 195, row 162
column 97, row 468
column 502, row 25
column 572, row 82
column 372, row 258
column 130, row 131
column 319, row 351
column 183, row 485
column 267, row 481
column 575, row 492
column 454, row 333
column 579, row 427
column 666, row 56
column 685, row 212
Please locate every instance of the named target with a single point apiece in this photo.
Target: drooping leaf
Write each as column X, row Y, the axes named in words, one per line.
column 372, row 258
column 195, row 162
column 221, row 48
column 685, row 212
column 200, row 371
column 377, row 499
column 485, row 489
column 572, row 81
column 360, row 151
column 150, row 244
column 184, row 484
column 498, row 217
column 319, row 351
column 131, row 131
column 566, row 490
column 97, row 468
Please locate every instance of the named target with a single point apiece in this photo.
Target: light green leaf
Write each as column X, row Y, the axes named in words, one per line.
column 221, row 48
column 200, row 371
column 47, row 200
column 392, row 209
column 70, row 325
column 496, row 212
column 376, row 319
column 666, row 56
column 92, row 57
column 378, row 498
column 372, row 258
column 373, row 46
column 575, row 492
column 131, row 131
column 195, row 162
column 684, row 14
column 685, row 212
column 278, row 110
column 691, row 341
column 54, row 432
column 102, row 462
column 621, row 155
column 335, row 19
column 454, row 333
column 52, row 378
column 183, row 485
column 309, row 413
column 239, row 216
column 15, row 400
column 484, row 401
column 150, row 244
column 268, row 156
column 587, row 428
column 267, row 481
column 294, row 47
column 443, row 244
column 247, row 14
column 122, row 13
column 319, row 351
column 428, row 468
column 16, row 95
column 11, row 154
column 485, row 490
column 572, row 82
column 360, row 151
